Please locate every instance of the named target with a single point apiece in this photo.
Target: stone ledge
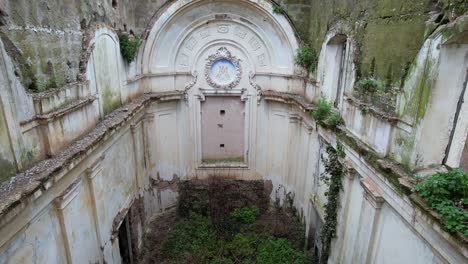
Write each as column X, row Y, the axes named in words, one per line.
column 42, row 119
column 373, row 110
column 288, row 98
column 27, row 186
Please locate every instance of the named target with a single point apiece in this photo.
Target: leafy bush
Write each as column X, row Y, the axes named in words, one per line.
column 322, row 111
column 195, row 235
column 128, row 47
column 324, row 116
column 447, row 194
column 195, row 240
column 377, row 93
column 246, row 215
column 367, row 86
column 307, row 58
column 278, row 250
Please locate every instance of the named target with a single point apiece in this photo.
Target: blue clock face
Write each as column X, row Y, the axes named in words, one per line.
column 223, row 72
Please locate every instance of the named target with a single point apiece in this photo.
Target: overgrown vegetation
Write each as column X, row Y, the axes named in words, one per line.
column 324, row 115
column 376, row 92
column 246, row 215
column 447, row 194
column 227, row 221
column 307, row 58
column 196, row 239
column 128, row 46
column 332, row 176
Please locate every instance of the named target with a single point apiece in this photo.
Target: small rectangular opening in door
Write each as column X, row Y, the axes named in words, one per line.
column 222, row 112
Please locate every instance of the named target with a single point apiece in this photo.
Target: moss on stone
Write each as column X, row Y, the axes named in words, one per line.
column 110, row 100
column 402, row 40
column 7, row 169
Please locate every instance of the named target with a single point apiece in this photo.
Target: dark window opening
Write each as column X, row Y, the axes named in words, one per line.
column 220, row 125
column 221, row 145
column 222, row 112
column 125, row 242
column 114, row 3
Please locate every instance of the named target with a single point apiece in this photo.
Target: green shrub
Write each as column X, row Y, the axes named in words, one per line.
column 324, row 116
column 244, row 246
column 322, row 111
column 307, row 58
column 191, row 236
column 128, row 47
column 278, row 251
column 447, row 194
column 334, row 120
column 246, row 215
column 367, row 86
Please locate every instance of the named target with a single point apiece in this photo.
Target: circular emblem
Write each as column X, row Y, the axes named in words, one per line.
column 223, row 70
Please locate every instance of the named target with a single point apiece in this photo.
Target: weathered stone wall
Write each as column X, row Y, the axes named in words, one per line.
column 47, row 37
column 141, row 151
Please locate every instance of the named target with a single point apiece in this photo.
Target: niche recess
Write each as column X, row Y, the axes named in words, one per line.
column 335, row 69
column 223, row 129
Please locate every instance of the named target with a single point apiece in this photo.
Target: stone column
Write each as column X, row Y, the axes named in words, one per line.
column 348, row 180
column 370, row 212
column 92, row 173
column 76, row 224
column 148, row 123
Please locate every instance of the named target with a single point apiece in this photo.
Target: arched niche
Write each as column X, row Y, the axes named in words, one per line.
column 336, row 70
column 188, row 32
column 104, row 70
column 256, row 50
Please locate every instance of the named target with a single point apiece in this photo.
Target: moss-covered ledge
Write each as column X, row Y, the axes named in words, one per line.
column 371, row 109
column 28, row 186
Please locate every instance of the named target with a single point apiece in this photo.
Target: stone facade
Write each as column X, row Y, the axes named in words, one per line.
column 110, row 147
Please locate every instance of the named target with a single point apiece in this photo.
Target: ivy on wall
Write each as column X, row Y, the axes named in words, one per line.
column 332, row 176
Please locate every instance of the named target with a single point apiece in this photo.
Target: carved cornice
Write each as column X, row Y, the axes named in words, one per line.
column 223, row 53
column 371, row 194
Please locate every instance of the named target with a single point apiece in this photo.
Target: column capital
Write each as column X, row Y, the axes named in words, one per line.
column 372, row 194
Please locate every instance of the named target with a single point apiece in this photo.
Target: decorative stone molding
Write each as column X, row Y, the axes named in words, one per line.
column 96, row 168
column 350, row 171
column 68, row 195
column 257, row 87
column 228, row 62
column 371, row 194
column 190, row 84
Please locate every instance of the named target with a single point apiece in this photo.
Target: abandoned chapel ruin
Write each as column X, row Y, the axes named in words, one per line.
column 234, row 131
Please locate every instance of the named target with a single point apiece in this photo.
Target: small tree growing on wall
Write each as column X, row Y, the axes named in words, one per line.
column 128, row 46
column 307, row 58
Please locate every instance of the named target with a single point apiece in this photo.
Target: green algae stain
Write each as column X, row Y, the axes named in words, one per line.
column 111, row 101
